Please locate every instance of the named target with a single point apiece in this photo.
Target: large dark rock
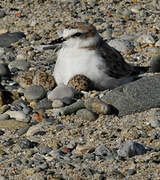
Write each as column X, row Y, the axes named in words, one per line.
column 7, row 39
column 137, row 96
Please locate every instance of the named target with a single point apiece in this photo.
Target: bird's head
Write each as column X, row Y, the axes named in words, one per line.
column 78, row 35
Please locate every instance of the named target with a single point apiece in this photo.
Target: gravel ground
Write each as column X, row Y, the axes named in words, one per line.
column 36, row 142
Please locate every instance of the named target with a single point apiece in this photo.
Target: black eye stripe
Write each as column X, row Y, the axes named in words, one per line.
column 77, row 34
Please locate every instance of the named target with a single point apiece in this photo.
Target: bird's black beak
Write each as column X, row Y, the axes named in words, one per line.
column 57, row 41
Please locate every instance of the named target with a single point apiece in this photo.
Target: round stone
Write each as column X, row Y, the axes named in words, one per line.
column 34, row 92
column 61, row 92
column 87, row 115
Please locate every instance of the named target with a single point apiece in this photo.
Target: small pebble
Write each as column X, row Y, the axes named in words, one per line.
column 57, row 103
column 131, row 171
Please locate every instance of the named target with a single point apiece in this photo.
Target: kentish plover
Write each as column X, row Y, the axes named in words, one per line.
column 85, row 53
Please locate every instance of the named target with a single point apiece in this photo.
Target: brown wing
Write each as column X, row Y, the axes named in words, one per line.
column 115, row 65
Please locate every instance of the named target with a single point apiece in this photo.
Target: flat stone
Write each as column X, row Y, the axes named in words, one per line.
column 18, row 115
column 12, row 124
column 43, row 104
column 7, row 39
column 136, row 96
column 33, row 129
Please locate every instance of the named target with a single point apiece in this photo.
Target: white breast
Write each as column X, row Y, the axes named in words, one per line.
column 71, row 62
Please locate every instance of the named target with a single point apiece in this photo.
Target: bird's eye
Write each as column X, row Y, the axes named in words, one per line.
column 77, row 34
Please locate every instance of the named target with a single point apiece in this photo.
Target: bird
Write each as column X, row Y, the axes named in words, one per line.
column 84, row 52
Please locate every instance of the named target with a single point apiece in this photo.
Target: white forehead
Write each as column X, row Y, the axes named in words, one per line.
column 69, row 32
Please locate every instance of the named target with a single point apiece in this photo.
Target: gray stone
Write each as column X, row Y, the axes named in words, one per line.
column 61, row 92
column 155, row 123
column 157, row 43
column 2, row 14
column 12, row 124
column 98, row 106
column 44, row 104
column 4, row 116
column 136, row 96
column 34, row 92
column 130, row 149
column 7, row 39
column 87, row 115
column 70, row 109
column 22, row 131
column 146, row 39
column 18, row 115
column 4, row 70
column 155, row 64
column 26, row 144
column 2, row 51
column 45, row 149
column 121, row 45
column 57, row 103
column 136, row 9
column 131, row 171
column 104, row 152
column 21, row 65
column 128, row 37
